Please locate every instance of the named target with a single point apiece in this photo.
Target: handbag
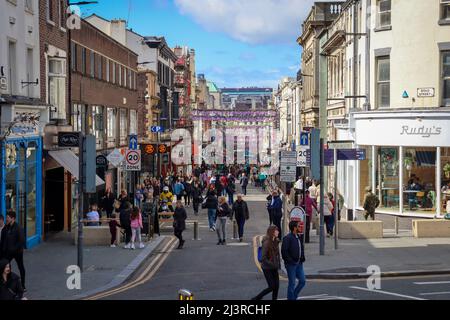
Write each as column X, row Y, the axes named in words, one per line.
column 260, row 254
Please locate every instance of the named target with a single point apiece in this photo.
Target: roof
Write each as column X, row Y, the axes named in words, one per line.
column 212, row 87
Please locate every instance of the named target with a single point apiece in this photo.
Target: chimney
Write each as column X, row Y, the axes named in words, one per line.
column 118, row 31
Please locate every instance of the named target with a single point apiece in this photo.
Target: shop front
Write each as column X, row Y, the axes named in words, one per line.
column 408, row 160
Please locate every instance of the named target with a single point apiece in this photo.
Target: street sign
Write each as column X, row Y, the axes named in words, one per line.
column 150, row 149
column 288, row 158
column 288, row 173
column 156, row 129
column 302, row 157
column 101, row 162
column 133, row 142
column 133, row 160
column 69, row 139
column 304, row 139
column 298, row 214
column 425, row 92
column 115, row 158
column 344, row 155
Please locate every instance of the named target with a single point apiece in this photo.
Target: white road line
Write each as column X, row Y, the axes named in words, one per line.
column 434, row 293
column 432, row 282
column 388, row 293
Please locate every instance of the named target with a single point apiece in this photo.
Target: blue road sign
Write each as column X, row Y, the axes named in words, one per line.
column 344, row 155
column 156, row 129
column 133, row 142
column 304, row 139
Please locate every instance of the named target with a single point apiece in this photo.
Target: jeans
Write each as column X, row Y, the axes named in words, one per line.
column 230, row 198
column 328, row 224
column 270, row 216
column 295, row 271
column 136, row 233
column 196, row 203
column 221, row 225
column 127, row 234
column 244, row 190
column 211, row 217
column 179, row 235
column 308, row 228
column 273, row 280
column 241, row 224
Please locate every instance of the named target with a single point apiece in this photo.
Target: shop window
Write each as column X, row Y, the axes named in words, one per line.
column 445, row 180
column 57, row 87
column 419, row 179
column 446, row 78
column 365, row 174
column 383, row 82
column 388, row 177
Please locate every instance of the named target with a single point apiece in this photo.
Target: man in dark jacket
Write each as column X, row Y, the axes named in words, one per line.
column 179, row 223
column 293, row 253
column 125, row 222
column 211, row 204
column 276, row 208
column 241, row 214
column 244, row 184
column 13, row 243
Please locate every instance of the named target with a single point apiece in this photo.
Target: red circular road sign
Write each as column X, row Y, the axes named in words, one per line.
column 133, row 157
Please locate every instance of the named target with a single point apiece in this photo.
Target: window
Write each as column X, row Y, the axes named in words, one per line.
column 124, row 77
column 384, row 13
column 123, row 127
column 74, row 56
column 383, row 82
column 83, row 60
column 129, row 79
column 97, row 125
column 92, row 64
column 446, row 78
column 30, row 72
column 133, row 122
column 111, row 125
column 107, row 70
column 120, row 75
column 113, row 72
column 57, row 86
column 79, row 118
column 445, row 9
column 62, row 14
column 99, row 67
column 49, row 10
column 29, row 5
column 12, row 70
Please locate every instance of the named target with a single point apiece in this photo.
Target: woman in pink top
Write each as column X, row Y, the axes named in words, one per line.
column 136, row 226
column 308, row 204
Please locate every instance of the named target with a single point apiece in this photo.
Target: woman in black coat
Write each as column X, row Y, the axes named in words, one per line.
column 196, row 196
column 10, row 285
column 179, row 222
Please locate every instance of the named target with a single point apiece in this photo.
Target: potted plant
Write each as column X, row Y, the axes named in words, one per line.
column 408, row 162
column 447, row 170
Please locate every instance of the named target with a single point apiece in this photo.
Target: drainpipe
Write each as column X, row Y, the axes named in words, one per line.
column 355, row 52
column 367, row 106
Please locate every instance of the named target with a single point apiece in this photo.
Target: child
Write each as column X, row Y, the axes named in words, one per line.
column 136, row 226
column 93, row 217
column 113, row 224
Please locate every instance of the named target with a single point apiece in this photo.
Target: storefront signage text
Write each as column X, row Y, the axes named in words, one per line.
column 421, row 131
column 425, row 92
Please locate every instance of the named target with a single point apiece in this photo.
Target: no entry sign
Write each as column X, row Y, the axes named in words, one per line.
column 133, row 160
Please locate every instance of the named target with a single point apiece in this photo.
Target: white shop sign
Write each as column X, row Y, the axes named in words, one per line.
column 403, row 132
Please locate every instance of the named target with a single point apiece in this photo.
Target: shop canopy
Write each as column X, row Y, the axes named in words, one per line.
column 70, row 162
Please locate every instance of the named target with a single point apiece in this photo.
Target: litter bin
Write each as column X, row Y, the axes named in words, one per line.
column 350, row 215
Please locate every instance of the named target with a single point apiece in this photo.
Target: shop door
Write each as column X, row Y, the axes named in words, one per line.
column 54, row 200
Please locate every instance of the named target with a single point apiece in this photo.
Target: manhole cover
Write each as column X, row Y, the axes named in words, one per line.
column 346, row 270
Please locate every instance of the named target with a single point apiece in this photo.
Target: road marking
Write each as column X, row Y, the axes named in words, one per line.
column 142, row 278
column 388, row 293
column 324, row 296
column 434, row 293
column 432, row 282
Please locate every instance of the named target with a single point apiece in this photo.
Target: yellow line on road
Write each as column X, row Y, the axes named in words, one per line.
column 158, row 261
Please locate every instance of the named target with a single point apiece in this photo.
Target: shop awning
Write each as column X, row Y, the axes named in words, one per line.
column 70, row 162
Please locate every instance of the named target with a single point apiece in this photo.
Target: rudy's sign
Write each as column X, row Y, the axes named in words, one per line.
column 412, row 131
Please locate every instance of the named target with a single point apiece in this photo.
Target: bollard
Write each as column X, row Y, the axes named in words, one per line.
column 396, row 225
column 184, row 294
column 196, row 231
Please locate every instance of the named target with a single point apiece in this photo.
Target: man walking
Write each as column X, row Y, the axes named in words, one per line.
column 241, row 214
column 244, row 184
column 13, row 243
column 371, row 202
column 276, row 207
column 293, row 253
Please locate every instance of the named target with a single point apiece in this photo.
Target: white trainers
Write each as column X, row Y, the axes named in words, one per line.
column 127, row 246
column 132, row 247
column 113, row 246
column 141, row 246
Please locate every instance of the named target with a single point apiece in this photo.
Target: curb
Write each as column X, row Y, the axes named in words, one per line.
column 127, row 272
column 388, row 274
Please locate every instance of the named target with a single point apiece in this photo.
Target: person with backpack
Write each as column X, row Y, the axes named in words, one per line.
column 270, row 263
column 223, row 212
column 241, row 214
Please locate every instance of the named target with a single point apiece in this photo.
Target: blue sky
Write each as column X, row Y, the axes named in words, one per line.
column 237, row 42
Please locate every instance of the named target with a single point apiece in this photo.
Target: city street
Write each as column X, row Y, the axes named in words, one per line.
column 214, row 272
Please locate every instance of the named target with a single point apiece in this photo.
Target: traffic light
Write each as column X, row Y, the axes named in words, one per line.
column 150, row 149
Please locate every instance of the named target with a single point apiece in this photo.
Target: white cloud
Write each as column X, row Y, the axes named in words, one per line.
column 250, row 21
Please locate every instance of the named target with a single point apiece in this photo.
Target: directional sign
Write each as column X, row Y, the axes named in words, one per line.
column 304, row 139
column 156, row 129
column 288, row 173
column 344, row 155
column 288, row 158
column 115, row 158
column 133, row 142
column 133, row 160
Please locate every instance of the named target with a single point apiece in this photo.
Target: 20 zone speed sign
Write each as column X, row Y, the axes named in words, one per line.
column 133, row 160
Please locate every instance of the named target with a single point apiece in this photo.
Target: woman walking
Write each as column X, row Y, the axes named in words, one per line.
column 179, row 223
column 271, row 263
column 327, row 212
column 196, row 197
column 223, row 213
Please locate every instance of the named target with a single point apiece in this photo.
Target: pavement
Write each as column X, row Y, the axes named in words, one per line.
column 231, row 272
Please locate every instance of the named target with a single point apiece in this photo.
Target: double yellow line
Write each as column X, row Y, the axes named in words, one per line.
column 145, row 276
